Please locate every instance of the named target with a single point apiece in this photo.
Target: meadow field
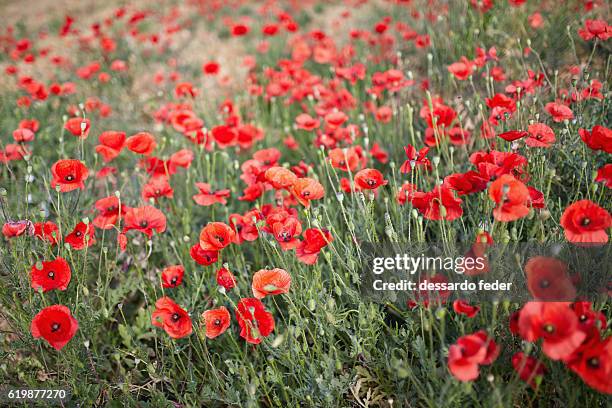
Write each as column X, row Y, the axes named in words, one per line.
column 192, row 193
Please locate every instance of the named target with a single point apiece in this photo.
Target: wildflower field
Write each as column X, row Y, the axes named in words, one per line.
column 190, row 191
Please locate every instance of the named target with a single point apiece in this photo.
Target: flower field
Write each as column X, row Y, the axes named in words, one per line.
column 188, row 192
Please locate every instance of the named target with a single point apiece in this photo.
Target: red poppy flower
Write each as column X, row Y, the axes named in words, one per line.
column 307, row 189
column 216, row 236
column 47, row 231
column 13, row 152
column 270, row 282
column 463, row 307
column 145, row 219
column 244, row 226
column 438, row 204
column 105, row 172
column 586, row 222
column 536, row 198
column 69, row 175
column 369, row 179
column 31, row 124
column 248, row 135
column 210, row 68
column 252, row 192
column 208, row 197
column 13, row 229
column 466, row 183
column 462, row 69
column 55, row 324
column 414, row 159
column 306, row 122
column 599, row 138
column 590, row 321
column 110, row 211
column 513, row 135
column 335, row 119
column 172, row 318
column 470, row 352
column 224, row 135
column 285, row 231
column 315, row 239
column 555, row 323
column 511, row 197
column 142, row 143
column 383, row 114
column 548, row 280
column 184, row 89
column 182, row 158
column 157, row 187
column 597, row 29
column 528, row 368
column 172, row 276
column 83, row 235
column 23, row 135
column 240, row 29
column 344, row 159
column 495, row 164
column 216, row 321
column 379, row 153
column 52, row 275
column 122, row 241
column 280, row 177
column 202, row 257
column 267, row 157
column 604, row 175
column 442, row 114
column 78, row 127
column 111, row 143
column 559, row 112
column 540, row 135
column 594, row 365
column 226, row 278
column 254, row 321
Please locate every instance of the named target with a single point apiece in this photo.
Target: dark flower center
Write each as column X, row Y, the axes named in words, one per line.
column 173, row 281
column 55, row 327
column 549, row 328
column 593, row 362
column 78, row 233
column 285, row 236
column 585, row 221
column 583, row 318
column 219, row 238
column 217, row 322
column 305, row 193
column 69, row 177
column 175, row 317
column 51, row 275
column 371, row 182
column 239, row 227
column 144, row 224
column 544, row 283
